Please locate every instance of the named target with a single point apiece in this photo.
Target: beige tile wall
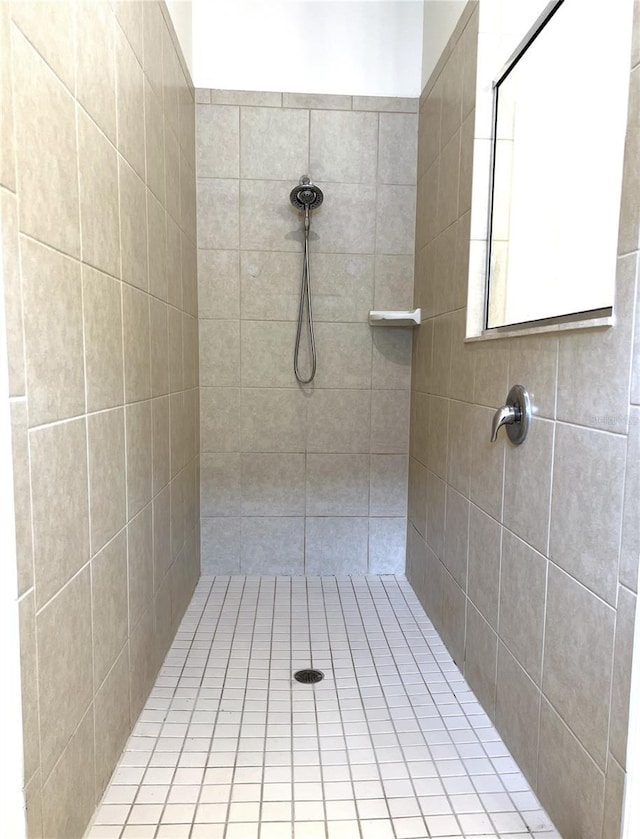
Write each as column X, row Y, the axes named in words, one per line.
column 526, row 558
column 311, row 479
column 97, row 201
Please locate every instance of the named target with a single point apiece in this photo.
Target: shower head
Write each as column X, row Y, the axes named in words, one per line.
column 306, row 196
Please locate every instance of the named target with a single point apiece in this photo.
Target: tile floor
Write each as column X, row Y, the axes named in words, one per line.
column 392, row 744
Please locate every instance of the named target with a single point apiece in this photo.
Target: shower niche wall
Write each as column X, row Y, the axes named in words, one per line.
column 304, row 479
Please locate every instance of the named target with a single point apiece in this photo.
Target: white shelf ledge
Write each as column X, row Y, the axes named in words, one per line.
column 395, row 318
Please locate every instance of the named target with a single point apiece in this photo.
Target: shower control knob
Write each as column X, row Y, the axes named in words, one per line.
column 515, row 416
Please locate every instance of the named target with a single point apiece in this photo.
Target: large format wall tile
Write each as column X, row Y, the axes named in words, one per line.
column 272, row 484
column 218, row 213
column 218, row 284
column 336, row 545
column 338, row 448
column 343, row 147
column 397, row 151
column 102, row 308
column 481, row 659
column 485, row 546
column 555, row 604
column 393, row 286
column 613, row 801
column 52, row 294
column 266, row 350
column 46, row 146
column 391, row 363
column 487, row 463
column 95, row 36
column 219, row 419
column 523, row 584
column 456, row 537
column 337, row 484
column 272, row 420
column 154, row 141
column 159, row 346
column 417, row 500
column 395, row 217
column 99, row 249
column 630, row 549
column 629, row 233
column 220, row 484
column 436, row 507
column 140, row 563
column 387, row 545
column 133, row 234
column 221, row 545
column 446, row 601
column 346, row 355
column 139, row 456
column 342, row 286
column 22, row 496
column 270, row 286
column 527, row 486
column 112, row 719
column 107, row 476
column 597, row 395
column 98, row 168
column 535, row 361
column 161, row 444
column 65, row 660
column 437, row 436
column 218, row 148
column 577, row 669
column 161, row 535
column 586, row 509
column 346, row 222
column 518, row 712
column 69, row 794
column 29, row 684
column 109, row 605
column 273, row 542
column 569, row 782
column 137, row 351
column 58, row 456
column 621, row 683
column 50, row 29
column 388, row 485
column 130, row 100
column 13, row 302
column 268, row 222
column 274, row 143
column 338, row 421
column 219, row 353
column 389, row 421
column 171, row 172
column 156, row 246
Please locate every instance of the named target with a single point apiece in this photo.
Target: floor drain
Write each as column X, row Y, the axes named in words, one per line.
column 308, row 677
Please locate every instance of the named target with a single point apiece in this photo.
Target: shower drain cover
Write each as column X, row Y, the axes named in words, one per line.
column 308, row 677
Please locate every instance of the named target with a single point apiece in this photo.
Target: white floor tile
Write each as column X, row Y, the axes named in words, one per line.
column 392, row 744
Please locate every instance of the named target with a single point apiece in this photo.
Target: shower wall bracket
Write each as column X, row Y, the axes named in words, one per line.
column 383, row 317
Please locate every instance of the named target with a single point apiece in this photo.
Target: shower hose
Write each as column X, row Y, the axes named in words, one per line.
column 305, row 313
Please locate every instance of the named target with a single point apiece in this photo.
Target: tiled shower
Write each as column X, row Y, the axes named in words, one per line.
column 312, row 479
column 192, row 526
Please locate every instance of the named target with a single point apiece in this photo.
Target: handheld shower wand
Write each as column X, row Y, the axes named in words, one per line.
column 307, row 197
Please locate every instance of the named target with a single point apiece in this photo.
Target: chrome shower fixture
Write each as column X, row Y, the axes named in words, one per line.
column 306, row 196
